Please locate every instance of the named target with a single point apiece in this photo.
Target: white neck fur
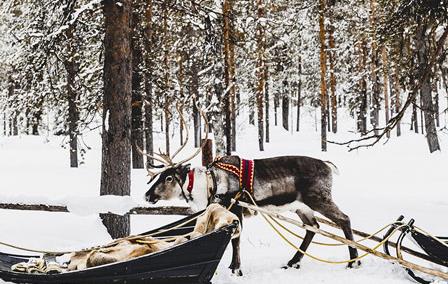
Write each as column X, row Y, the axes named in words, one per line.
column 199, row 190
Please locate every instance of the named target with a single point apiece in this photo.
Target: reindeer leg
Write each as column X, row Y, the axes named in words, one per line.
column 332, row 212
column 306, row 215
column 235, row 265
column 236, row 261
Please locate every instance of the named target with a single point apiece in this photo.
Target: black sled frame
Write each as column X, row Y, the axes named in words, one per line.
column 436, row 248
column 191, row 262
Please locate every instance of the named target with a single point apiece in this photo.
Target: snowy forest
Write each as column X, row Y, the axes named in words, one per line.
column 382, row 62
column 95, row 94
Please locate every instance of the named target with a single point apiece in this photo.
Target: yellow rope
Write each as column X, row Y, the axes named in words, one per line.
column 313, row 256
column 329, row 244
column 325, row 260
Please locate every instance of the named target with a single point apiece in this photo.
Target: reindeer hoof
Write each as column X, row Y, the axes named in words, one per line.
column 292, row 265
column 354, row 264
column 237, row 272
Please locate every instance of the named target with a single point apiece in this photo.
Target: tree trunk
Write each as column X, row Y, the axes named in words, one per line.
column 276, row 105
column 37, row 117
column 299, row 93
column 425, row 91
column 72, row 96
column 116, row 134
column 149, row 144
column 13, row 129
column 323, row 70
column 196, row 115
column 158, row 97
column 218, row 122
column 14, row 122
column 137, row 97
column 166, row 91
column 414, row 118
column 445, row 83
column 117, row 226
column 207, row 152
column 180, row 79
column 229, row 74
column 5, row 133
column 26, row 120
column 362, row 111
column 332, row 60
column 397, row 99
column 386, row 85
column 148, row 105
column 73, row 114
column 228, row 124
column 260, row 71
column 285, row 109
column 375, row 105
column 167, row 112
column 266, row 103
column 252, row 110
column 422, row 121
column 436, row 104
column 260, row 120
column 197, row 126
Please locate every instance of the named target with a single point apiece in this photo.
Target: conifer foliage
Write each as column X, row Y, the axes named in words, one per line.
column 248, row 62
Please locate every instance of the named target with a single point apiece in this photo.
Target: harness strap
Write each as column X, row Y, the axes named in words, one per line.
column 228, row 167
column 211, row 184
column 247, row 175
column 190, row 180
column 244, row 173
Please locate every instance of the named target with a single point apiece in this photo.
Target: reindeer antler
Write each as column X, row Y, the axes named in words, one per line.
column 164, row 162
column 164, row 158
column 206, row 128
column 187, row 134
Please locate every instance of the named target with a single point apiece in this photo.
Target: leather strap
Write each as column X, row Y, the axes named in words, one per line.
column 190, row 180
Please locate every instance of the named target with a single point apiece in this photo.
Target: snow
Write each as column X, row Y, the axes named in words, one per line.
column 374, row 187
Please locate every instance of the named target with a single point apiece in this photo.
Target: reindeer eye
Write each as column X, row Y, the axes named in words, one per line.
column 169, row 179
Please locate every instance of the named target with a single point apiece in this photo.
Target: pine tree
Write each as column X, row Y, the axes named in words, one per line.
column 323, row 70
column 116, row 131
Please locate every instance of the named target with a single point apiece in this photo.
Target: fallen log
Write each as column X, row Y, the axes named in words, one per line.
column 163, row 210
column 350, row 243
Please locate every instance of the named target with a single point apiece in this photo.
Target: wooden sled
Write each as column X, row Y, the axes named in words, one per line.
column 194, row 261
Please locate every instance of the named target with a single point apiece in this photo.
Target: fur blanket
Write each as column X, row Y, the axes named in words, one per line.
column 214, row 217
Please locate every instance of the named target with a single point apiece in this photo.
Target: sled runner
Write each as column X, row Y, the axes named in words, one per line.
column 194, row 261
column 436, row 248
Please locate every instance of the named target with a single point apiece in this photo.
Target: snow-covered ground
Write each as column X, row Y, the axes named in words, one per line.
column 373, row 188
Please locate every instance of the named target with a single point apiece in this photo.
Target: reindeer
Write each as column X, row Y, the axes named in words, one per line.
column 303, row 182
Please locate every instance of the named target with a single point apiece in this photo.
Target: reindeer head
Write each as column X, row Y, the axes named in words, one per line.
column 168, row 184
column 168, row 180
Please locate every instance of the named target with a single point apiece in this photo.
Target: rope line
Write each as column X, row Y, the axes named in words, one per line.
column 326, row 260
column 313, row 256
column 329, row 244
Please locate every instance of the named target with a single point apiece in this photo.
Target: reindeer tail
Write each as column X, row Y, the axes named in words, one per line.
column 333, row 167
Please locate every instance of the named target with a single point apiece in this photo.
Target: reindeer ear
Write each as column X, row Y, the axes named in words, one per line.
column 186, row 168
column 183, row 170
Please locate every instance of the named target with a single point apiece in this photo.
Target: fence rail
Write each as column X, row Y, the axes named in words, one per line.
column 162, row 210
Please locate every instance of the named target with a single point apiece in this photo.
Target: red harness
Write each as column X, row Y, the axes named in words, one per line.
column 245, row 173
column 190, row 180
